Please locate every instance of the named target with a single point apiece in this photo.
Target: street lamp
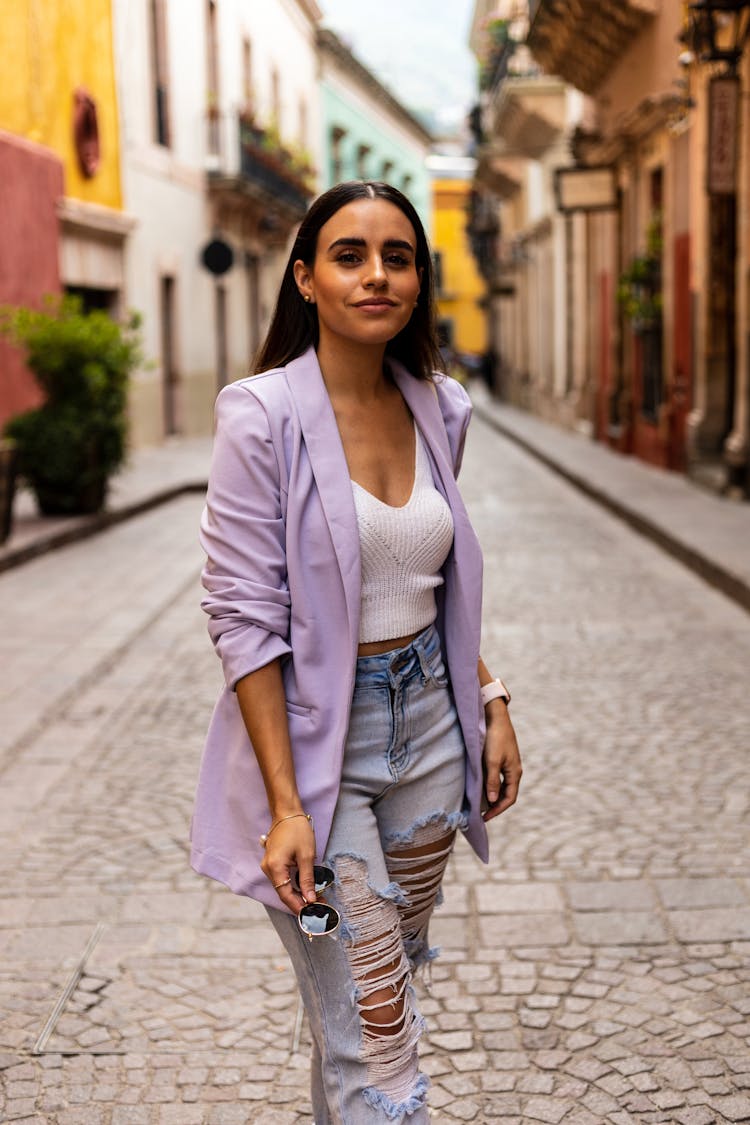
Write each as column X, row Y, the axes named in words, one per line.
column 705, row 33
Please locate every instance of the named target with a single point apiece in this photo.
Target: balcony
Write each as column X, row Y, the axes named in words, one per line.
column 251, row 168
column 527, row 116
column 498, row 174
column 585, row 41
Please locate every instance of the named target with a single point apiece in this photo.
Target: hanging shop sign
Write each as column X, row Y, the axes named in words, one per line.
column 723, row 119
column 586, row 189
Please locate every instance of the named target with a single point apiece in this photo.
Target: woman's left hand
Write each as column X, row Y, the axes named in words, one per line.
column 502, row 761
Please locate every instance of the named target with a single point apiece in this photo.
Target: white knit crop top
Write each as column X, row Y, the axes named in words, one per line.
column 402, row 551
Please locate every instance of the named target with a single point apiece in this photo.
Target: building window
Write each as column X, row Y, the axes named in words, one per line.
column 222, row 336
column 212, row 80
column 276, row 99
column 159, row 72
column 86, row 132
column 437, row 265
column 406, row 183
column 337, row 159
column 363, row 151
column 247, row 76
column 168, row 366
column 386, row 171
column 252, row 276
column 303, row 123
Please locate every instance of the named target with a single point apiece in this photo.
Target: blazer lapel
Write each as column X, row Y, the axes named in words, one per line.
column 331, row 472
column 421, row 398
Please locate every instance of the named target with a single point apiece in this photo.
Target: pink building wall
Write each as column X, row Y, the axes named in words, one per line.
column 31, row 183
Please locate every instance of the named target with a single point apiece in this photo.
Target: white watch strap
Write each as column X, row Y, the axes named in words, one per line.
column 496, row 689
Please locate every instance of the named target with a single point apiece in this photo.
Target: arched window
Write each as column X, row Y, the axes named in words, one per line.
column 86, row 132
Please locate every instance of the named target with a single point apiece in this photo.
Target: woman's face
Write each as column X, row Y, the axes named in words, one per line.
column 364, row 279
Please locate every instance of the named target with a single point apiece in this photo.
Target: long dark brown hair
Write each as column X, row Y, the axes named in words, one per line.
column 294, row 326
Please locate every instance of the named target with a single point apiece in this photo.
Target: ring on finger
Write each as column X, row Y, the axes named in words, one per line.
column 278, row 886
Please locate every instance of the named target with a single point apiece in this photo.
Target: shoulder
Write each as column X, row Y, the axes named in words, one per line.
column 454, row 401
column 268, row 388
column 266, row 394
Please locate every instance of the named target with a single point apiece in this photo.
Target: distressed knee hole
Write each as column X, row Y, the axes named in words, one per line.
column 391, row 1025
column 418, row 867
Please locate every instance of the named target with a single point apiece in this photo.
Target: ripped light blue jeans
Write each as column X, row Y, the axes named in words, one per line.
column 399, row 806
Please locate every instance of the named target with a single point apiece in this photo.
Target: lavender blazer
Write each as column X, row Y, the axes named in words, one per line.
column 283, row 580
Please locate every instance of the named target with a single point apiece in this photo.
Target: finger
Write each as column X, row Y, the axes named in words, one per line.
column 492, row 782
column 306, row 879
column 291, row 898
column 509, row 797
column 280, row 878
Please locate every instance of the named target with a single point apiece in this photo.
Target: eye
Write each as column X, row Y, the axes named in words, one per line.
column 399, row 260
column 348, row 257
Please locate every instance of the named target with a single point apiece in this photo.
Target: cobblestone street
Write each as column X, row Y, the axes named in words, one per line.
column 597, row 971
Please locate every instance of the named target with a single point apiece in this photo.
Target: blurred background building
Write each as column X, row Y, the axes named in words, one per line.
column 220, row 151
column 62, row 223
column 458, row 282
column 592, row 234
column 159, row 156
column 610, row 222
column 368, row 133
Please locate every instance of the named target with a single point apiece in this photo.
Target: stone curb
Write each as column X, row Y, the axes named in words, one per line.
column 86, row 526
column 708, row 569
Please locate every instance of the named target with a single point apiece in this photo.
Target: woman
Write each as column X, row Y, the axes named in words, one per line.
column 342, row 570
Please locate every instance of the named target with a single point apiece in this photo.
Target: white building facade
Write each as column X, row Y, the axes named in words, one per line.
column 221, row 140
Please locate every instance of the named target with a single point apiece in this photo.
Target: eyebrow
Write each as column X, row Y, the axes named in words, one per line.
column 389, row 244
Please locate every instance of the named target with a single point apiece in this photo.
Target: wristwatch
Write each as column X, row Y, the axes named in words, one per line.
column 495, row 689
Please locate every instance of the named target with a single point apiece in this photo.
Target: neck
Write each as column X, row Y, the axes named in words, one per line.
column 352, row 371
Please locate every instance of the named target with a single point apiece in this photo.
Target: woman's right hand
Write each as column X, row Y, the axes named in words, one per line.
column 290, row 850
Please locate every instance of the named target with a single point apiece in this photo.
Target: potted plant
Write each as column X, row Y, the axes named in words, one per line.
column 69, row 447
column 639, row 286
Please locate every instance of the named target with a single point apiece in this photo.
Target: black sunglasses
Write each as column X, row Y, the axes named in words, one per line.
column 318, row 919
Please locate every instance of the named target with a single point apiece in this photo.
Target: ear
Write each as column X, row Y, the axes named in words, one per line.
column 303, row 278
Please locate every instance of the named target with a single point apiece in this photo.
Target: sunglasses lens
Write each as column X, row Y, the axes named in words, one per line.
column 323, row 877
column 318, row 919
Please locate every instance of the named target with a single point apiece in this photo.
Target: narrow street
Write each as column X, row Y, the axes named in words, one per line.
column 597, row 971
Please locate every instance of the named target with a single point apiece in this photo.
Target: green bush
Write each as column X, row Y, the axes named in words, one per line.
column 70, row 446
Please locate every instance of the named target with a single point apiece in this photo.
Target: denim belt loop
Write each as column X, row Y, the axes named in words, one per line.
column 424, row 662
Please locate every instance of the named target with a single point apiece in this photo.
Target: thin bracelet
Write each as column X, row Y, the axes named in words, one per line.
column 276, row 823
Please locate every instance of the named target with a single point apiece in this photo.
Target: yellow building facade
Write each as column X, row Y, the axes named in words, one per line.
column 51, row 51
column 62, row 225
column 460, row 288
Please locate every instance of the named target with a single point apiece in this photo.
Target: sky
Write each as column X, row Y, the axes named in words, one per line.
column 417, row 48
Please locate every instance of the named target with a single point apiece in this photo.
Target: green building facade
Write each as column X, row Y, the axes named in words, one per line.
column 368, row 134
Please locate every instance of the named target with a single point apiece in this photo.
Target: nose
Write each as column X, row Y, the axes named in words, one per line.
column 375, row 274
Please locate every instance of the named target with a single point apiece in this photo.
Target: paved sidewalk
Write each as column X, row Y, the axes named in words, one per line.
column 709, row 534
column 596, row 973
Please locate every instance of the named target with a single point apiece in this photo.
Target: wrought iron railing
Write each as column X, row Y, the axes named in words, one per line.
column 269, row 170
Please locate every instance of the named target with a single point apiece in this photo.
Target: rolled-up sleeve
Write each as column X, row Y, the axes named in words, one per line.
column 244, row 537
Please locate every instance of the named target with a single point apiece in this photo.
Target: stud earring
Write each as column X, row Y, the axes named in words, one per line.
column 308, row 298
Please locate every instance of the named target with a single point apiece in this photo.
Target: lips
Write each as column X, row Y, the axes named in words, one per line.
column 375, row 303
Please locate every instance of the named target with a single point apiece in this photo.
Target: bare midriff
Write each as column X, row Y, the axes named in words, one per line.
column 374, row 648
